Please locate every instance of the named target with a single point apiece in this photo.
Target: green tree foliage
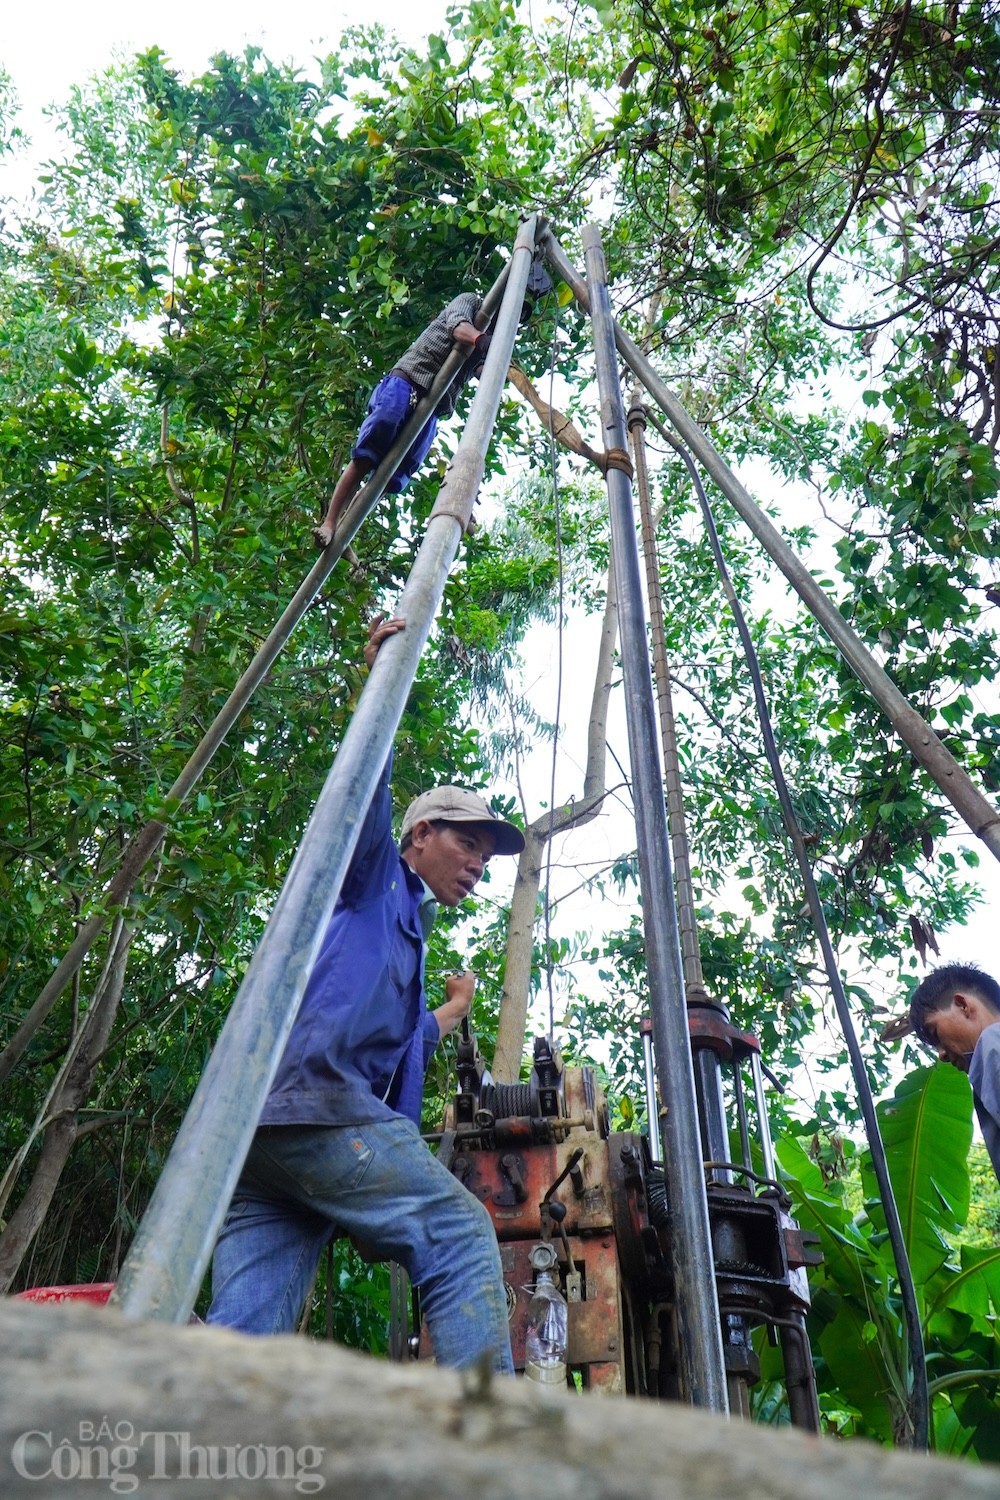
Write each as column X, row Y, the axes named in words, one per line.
column 758, row 946
column 855, row 1323
column 801, row 198
column 815, row 189
column 213, row 278
column 984, row 1205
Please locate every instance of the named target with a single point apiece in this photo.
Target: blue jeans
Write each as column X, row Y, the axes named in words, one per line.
column 379, row 1183
column 389, row 408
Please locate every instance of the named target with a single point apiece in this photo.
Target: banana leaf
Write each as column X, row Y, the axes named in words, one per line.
column 927, row 1131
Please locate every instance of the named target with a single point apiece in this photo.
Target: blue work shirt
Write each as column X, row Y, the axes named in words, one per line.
column 363, row 1036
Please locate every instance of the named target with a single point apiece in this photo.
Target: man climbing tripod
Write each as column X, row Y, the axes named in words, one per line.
column 396, row 396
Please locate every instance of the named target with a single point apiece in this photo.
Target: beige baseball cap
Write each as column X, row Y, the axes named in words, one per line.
column 456, row 804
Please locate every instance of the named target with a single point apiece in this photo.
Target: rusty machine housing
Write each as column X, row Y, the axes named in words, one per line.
column 541, row 1157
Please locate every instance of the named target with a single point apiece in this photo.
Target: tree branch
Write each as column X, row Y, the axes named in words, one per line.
column 572, row 814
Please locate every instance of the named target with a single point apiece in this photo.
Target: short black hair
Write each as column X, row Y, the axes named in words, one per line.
column 935, row 993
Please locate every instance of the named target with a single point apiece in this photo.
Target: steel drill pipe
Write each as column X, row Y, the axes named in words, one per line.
column 694, row 977
column 961, row 791
column 169, row 1256
column 145, row 843
column 652, row 1103
column 701, row 1358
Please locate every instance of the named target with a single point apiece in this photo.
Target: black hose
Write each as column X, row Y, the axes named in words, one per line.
column 656, row 1198
column 918, row 1404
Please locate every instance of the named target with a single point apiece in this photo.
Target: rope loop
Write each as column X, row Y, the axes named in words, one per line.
column 617, row 458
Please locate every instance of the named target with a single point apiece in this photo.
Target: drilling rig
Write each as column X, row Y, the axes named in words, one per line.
column 674, row 1250
column 669, row 1248
column 589, row 1206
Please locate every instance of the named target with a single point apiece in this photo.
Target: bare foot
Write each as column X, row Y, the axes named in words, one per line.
column 322, row 536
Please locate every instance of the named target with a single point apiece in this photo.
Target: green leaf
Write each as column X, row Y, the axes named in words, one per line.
column 926, row 1130
column 975, row 1288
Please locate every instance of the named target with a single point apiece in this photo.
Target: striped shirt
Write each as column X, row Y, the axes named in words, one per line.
column 427, row 354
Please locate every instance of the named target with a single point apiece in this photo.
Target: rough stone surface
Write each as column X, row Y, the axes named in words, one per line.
column 242, row 1417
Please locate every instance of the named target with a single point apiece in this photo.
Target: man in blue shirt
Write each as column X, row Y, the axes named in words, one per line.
column 338, row 1147
column 956, row 1010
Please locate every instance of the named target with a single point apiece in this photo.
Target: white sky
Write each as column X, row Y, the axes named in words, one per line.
column 61, row 43
column 47, row 50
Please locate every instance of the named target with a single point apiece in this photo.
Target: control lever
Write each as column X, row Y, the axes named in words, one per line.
column 511, row 1169
column 571, row 1170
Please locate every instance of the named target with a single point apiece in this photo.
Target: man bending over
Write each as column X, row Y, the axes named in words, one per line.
column 956, row 1010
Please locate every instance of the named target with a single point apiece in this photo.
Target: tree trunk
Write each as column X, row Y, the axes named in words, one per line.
column 555, row 423
column 88, row 1398
column 57, row 1118
column 524, row 901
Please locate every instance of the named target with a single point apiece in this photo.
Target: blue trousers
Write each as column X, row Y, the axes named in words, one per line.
column 389, row 408
column 379, row 1183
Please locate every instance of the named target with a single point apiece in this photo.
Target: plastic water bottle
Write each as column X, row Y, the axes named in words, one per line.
column 546, row 1340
